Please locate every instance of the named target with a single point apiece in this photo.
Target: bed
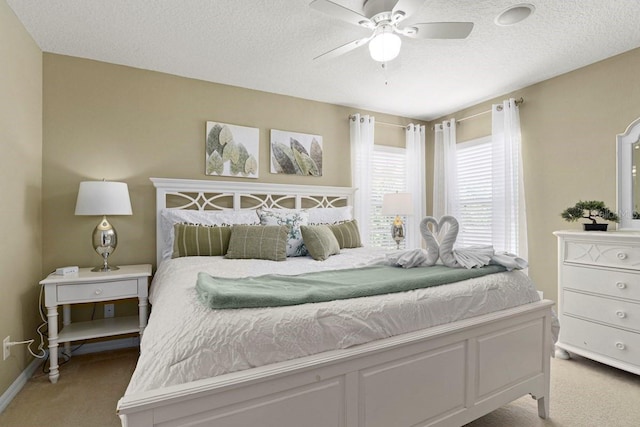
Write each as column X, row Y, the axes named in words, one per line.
column 466, row 362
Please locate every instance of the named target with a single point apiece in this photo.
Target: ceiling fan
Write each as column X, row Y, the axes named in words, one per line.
column 383, row 18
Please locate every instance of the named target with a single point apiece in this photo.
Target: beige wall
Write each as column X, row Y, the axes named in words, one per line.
column 21, row 177
column 120, row 123
column 569, row 127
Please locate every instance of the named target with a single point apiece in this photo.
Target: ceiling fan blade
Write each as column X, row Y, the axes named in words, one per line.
column 405, row 8
column 343, row 49
column 438, row 30
column 342, row 13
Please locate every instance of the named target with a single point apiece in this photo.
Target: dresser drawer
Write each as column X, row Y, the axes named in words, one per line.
column 602, row 254
column 614, row 312
column 615, row 283
column 604, row 340
column 97, row 291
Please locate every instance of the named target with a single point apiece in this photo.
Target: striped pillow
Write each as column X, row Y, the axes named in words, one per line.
column 347, row 234
column 320, row 241
column 200, row 240
column 258, row 242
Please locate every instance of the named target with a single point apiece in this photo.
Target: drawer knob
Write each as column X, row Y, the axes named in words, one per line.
column 621, row 314
column 620, row 346
column 98, row 291
column 621, row 285
column 622, row 255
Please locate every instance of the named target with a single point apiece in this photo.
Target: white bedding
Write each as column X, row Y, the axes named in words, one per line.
column 186, row 341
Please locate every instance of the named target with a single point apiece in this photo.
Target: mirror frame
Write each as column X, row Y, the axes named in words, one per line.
column 624, row 182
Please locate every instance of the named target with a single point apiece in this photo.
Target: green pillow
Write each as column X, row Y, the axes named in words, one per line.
column 258, row 242
column 200, row 240
column 320, row 241
column 347, row 234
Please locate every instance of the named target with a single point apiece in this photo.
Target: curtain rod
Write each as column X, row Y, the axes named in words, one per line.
column 391, row 124
column 518, row 102
column 352, row 117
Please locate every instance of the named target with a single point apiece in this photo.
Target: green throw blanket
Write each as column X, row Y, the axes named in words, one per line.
column 274, row 290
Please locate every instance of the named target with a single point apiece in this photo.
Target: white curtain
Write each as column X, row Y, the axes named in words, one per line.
column 445, row 175
column 415, row 141
column 509, row 215
column 361, row 134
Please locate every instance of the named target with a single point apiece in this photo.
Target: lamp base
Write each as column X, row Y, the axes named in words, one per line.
column 105, row 241
column 397, row 232
column 105, row 268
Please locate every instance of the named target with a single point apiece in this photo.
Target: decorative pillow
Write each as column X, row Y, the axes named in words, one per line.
column 169, row 217
column 294, row 219
column 200, row 240
column 258, row 242
column 347, row 234
column 319, row 241
column 330, row 215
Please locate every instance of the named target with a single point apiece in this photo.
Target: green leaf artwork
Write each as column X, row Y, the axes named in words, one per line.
column 213, row 140
column 231, row 150
column 238, row 165
column 296, row 153
column 215, row 165
column 283, row 158
column 250, row 166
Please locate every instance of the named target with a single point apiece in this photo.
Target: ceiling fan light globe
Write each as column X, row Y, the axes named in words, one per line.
column 385, row 47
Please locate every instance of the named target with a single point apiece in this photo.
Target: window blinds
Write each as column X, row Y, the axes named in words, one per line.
column 388, row 170
column 475, row 192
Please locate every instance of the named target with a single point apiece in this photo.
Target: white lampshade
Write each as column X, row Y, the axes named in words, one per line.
column 385, row 46
column 103, row 198
column 397, row 204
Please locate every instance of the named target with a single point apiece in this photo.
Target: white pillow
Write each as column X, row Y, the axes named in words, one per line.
column 169, row 217
column 330, row 215
column 292, row 218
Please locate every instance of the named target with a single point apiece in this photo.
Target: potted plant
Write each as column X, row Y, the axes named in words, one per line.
column 592, row 210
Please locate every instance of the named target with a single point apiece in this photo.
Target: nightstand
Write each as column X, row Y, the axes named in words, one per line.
column 130, row 281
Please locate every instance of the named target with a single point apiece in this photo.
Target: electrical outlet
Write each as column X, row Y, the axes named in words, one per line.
column 6, row 348
column 109, row 310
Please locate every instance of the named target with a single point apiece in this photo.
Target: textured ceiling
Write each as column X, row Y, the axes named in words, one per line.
column 269, row 45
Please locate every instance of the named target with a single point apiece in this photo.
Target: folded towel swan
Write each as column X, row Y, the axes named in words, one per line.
column 467, row 257
column 433, row 247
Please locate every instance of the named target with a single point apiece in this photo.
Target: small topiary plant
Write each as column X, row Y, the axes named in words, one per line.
column 591, row 210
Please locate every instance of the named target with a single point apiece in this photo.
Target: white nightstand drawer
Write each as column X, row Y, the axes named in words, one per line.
column 603, row 254
column 97, row 291
column 614, row 312
column 615, row 283
column 604, row 340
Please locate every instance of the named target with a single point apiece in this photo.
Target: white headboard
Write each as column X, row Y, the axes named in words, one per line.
column 225, row 195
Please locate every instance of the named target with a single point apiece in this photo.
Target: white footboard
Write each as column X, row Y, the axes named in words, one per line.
column 442, row 376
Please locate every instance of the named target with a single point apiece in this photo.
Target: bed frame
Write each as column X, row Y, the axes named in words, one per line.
column 446, row 375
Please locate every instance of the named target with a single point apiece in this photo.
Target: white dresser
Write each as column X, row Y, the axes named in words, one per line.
column 599, row 296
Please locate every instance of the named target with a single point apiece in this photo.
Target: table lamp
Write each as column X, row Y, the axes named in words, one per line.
column 103, row 198
column 397, row 204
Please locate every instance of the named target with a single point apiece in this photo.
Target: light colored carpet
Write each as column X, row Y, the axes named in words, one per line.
column 583, row 394
column 85, row 395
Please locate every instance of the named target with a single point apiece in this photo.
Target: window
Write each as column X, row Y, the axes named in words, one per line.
column 475, row 192
column 389, row 176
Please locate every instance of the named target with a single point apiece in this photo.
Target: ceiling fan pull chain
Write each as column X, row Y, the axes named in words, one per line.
column 386, row 75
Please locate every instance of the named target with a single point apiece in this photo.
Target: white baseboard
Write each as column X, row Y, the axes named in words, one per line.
column 17, row 385
column 95, row 347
